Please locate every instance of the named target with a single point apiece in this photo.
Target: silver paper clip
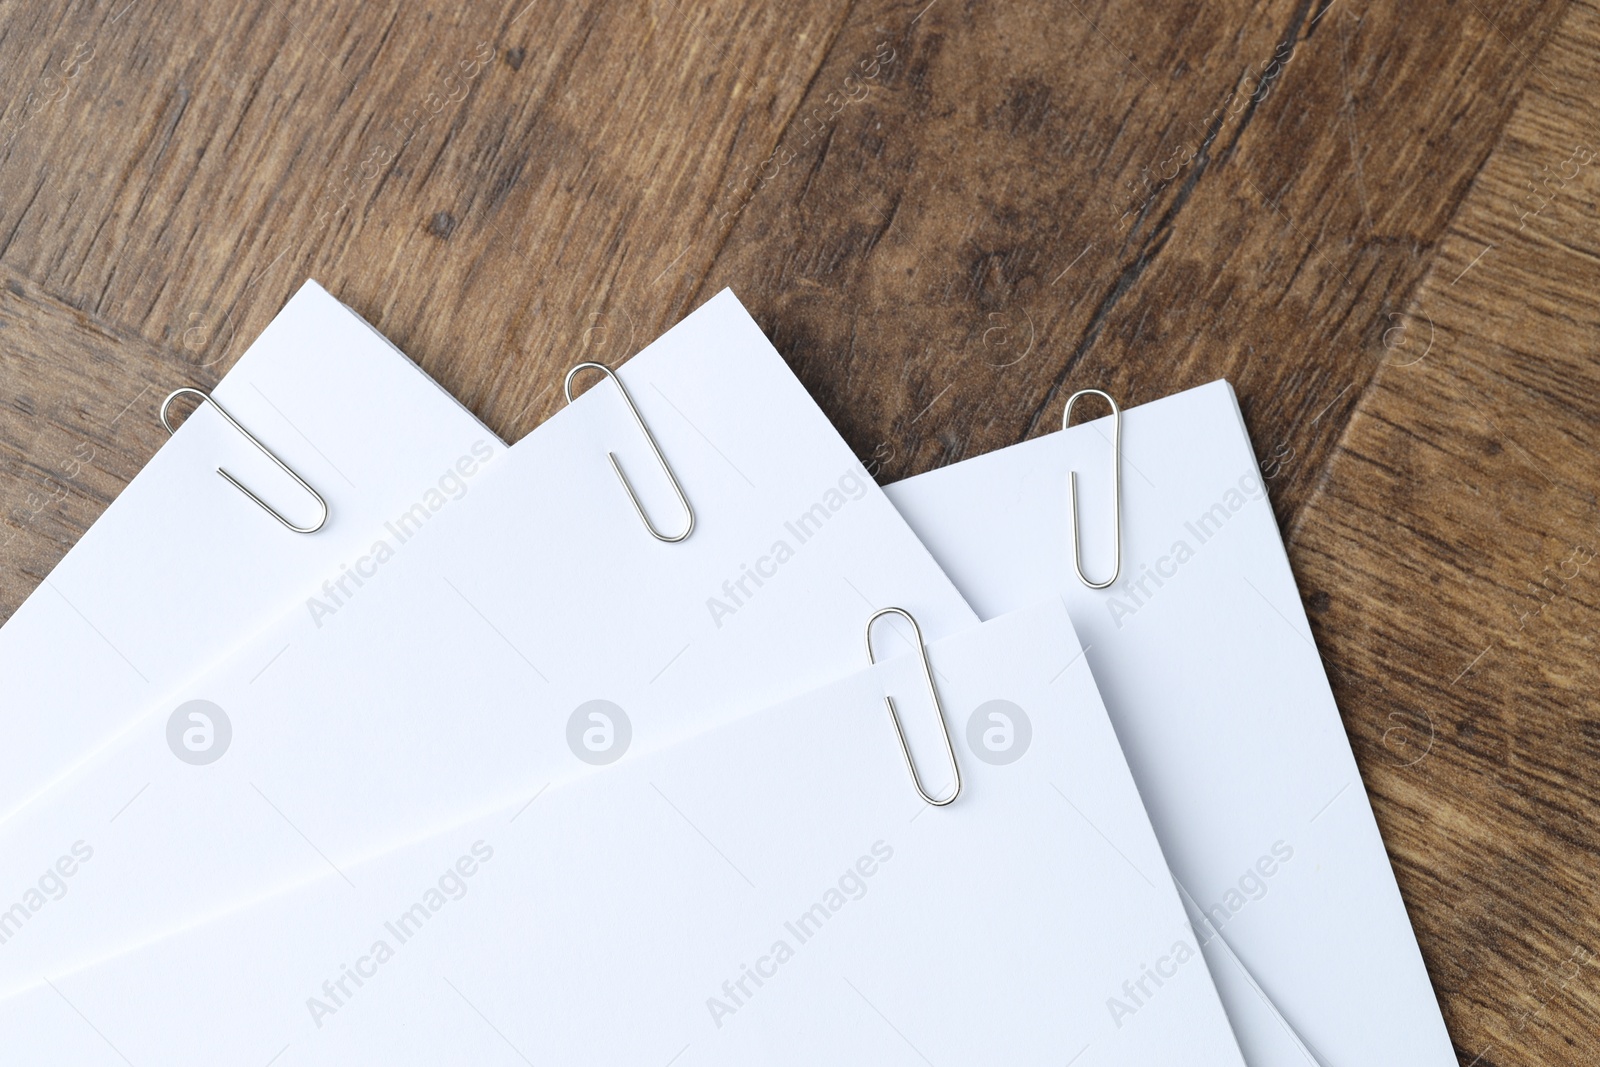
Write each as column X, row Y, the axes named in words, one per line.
column 938, row 710
column 205, row 398
column 655, row 448
column 1116, row 490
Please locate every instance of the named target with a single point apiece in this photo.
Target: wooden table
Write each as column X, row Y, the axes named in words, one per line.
column 1376, row 219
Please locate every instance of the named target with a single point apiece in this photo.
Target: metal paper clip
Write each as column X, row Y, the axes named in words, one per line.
column 938, row 710
column 205, row 398
column 655, row 448
column 1116, row 489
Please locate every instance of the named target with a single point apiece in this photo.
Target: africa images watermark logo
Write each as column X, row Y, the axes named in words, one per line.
column 451, row 485
column 599, row 732
column 850, row 885
column 199, row 732
column 738, row 591
column 999, row 732
column 1136, row 591
column 50, row 885
column 451, row 885
column 1252, row 885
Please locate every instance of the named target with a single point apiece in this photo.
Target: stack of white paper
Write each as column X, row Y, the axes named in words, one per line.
column 1211, row 677
column 530, row 631
column 182, row 567
column 478, row 772
column 770, row 892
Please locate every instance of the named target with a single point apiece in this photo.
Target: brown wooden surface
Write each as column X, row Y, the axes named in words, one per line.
column 944, row 216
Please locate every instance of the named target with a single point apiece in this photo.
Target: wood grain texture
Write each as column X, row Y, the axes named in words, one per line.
column 1456, row 533
column 946, row 216
column 75, row 428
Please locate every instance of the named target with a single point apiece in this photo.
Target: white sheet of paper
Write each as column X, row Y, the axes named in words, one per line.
column 771, row 891
column 181, row 567
column 1207, row 665
column 535, row 630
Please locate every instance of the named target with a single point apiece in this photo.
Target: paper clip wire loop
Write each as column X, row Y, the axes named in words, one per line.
column 655, row 448
column 1116, row 490
column 938, row 710
column 205, row 398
